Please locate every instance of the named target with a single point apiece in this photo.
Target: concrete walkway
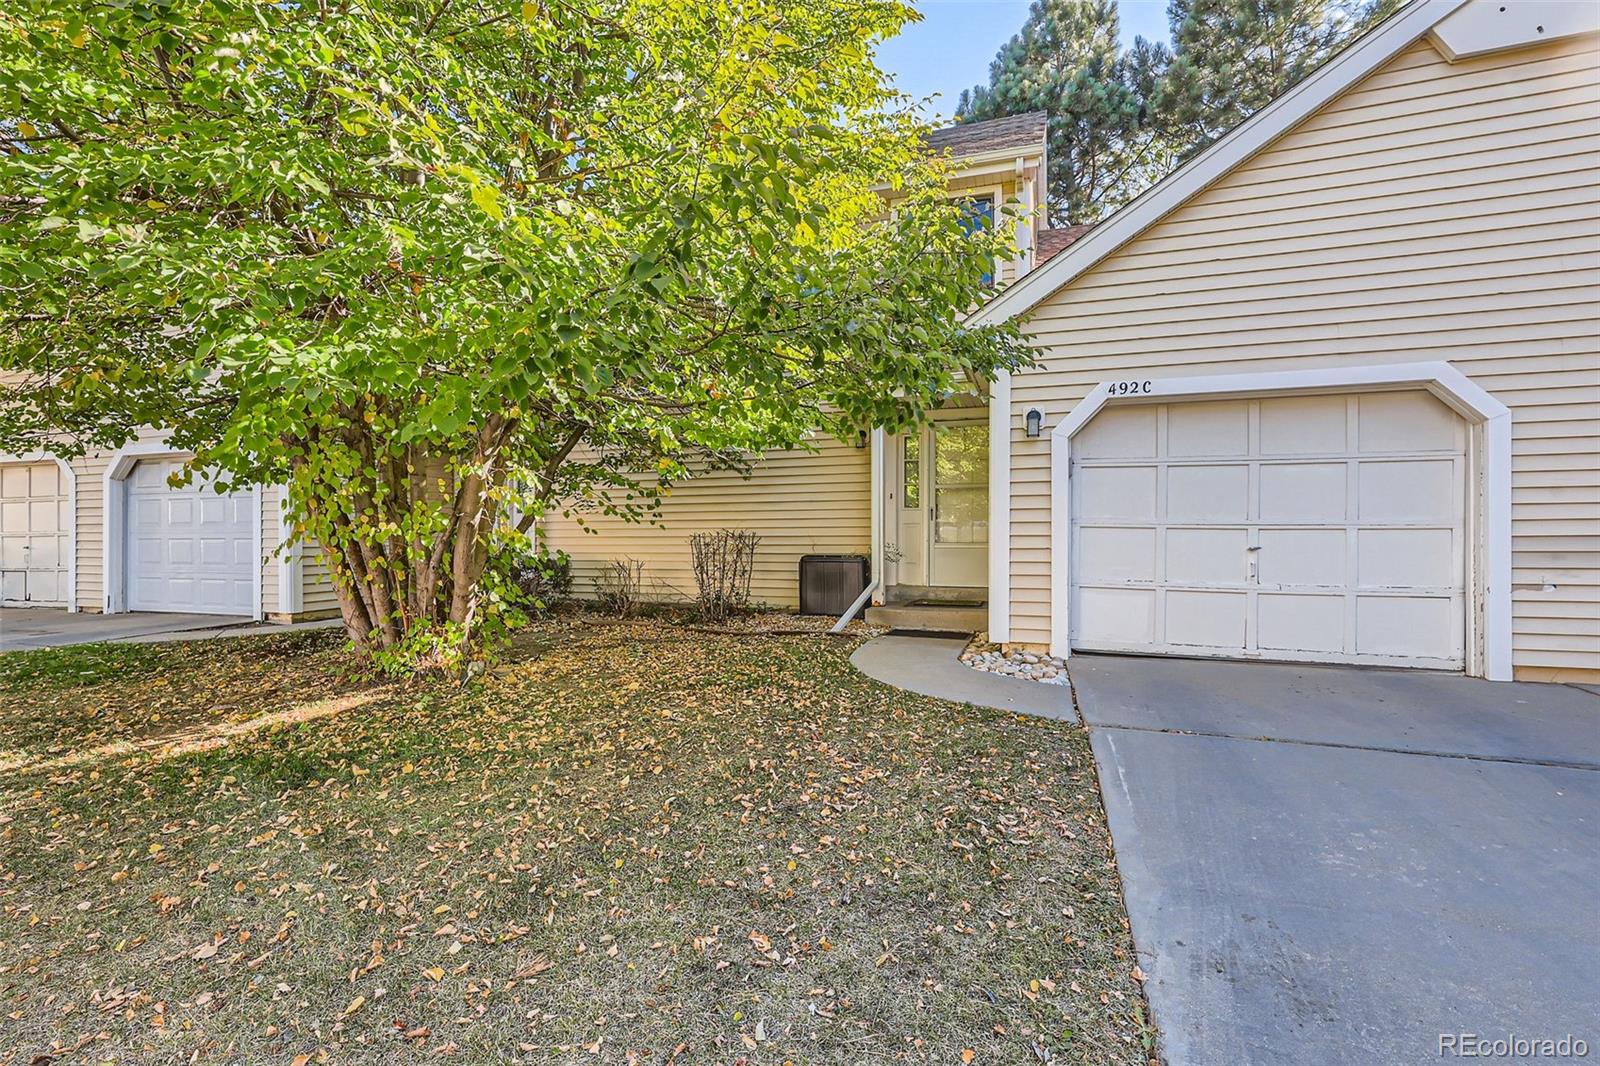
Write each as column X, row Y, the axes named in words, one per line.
column 931, row 666
column 1337, row 864
column 25, row 628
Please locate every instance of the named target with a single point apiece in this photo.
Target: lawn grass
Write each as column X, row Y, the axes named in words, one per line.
column 628, row 843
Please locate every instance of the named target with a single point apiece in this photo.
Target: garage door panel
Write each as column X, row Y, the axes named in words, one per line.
column 1302, row 492
column 1406, row 626
column 1208, row 493
column 1415, row 491
column 1119, row 493
column 1206, row 619
column 47, row 553
column 1205, row 430
column 1303, row 425
column 1406, row 422
column 1207, row 556
column 13, row 553
column 1293, row 622
column 16, row 482
column 1119, row 433
column 1397, row 558
column 46, row 586
column 1119, row 616
column 1301, row 557
column 14, row 514
column 1354, row 551
column 1117, row 553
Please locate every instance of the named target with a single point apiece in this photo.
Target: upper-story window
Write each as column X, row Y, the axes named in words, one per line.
column 978, row 213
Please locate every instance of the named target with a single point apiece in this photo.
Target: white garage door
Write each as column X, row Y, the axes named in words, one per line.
column 35, row 515
column 189, row 549
column 1311, row 528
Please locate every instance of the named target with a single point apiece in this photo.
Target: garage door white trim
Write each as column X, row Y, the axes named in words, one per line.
column 1488, row 581
column 69, row 477
column 115, row 525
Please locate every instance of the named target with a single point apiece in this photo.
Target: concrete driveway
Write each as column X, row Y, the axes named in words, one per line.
column 1329, row 864
column 22, row 628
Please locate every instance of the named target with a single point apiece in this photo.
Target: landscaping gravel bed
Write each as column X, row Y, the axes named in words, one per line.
column 1030, row 666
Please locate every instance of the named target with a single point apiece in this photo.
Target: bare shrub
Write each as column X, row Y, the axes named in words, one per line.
column 619, row 586
column 723, row 562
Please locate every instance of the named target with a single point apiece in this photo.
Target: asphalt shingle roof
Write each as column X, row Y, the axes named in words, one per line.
column 1052, row 241
column 991, row 135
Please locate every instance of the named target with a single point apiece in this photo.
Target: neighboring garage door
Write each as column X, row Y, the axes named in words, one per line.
column 1316, row 528
column 190, row 548
column 35, row 516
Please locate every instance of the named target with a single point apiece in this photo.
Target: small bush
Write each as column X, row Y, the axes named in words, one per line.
column 723, row 563
column 619, row 586
column 543, row 580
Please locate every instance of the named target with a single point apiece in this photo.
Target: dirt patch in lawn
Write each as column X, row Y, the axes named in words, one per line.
column 628, row 843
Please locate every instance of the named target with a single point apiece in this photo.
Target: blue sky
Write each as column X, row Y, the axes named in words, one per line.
column 951, row 48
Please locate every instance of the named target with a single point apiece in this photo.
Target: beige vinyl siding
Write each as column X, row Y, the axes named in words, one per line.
column 801, row 503
column 271, row 558
column 90, row 471
column 1434, row 211
column 317, row 599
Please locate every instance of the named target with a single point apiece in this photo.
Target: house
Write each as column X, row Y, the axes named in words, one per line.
column 1330, row 392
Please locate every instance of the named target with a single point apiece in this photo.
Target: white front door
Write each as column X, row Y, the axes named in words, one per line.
column 189, row 548
column 958, row 499
column 35, row 517
column 1322, row 528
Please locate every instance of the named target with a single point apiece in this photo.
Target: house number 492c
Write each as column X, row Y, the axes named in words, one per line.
column 1129, row 388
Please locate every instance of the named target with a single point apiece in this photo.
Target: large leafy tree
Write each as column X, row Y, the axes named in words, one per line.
column 435, row 264
column 1066, row 61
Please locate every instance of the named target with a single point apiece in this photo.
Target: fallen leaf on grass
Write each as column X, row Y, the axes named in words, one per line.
column 533, row 969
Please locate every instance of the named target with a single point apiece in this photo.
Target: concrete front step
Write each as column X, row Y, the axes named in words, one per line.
column 930, row 619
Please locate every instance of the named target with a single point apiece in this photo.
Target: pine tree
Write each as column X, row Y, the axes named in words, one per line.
column 1230, row 58
column 1065, row 61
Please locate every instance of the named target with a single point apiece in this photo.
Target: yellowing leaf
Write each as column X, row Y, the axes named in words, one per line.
column 355, row 1005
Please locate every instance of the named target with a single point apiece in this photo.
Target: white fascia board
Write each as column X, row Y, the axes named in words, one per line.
column 1358, row 60
column 1483, row 27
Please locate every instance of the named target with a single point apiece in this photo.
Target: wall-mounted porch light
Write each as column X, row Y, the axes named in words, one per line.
column 861, row 439
column 1034, row 420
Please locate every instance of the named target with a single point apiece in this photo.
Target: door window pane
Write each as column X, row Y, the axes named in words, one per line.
column 961, row 483
column 911, row 474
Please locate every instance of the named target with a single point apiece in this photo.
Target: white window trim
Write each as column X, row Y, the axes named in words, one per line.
column 1489, row 578
column 71, row 477
column 114, row 524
